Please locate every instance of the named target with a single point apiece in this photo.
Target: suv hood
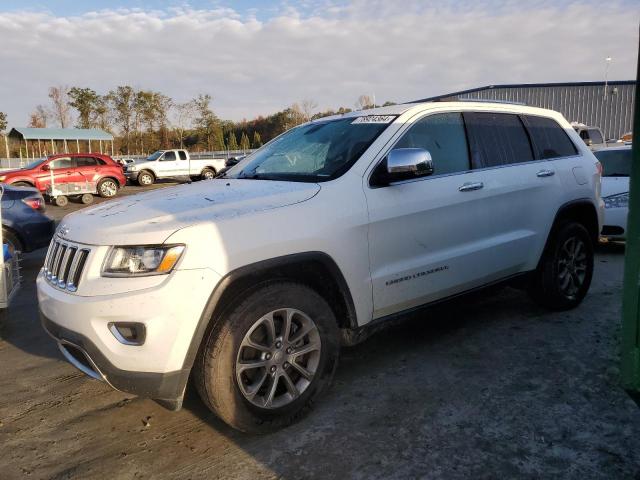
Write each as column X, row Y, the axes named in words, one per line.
column 152, row 217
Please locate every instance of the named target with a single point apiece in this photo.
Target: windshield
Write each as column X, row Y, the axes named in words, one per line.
column 313, row 153
column 35, row 164
column 615, row 163
column 155, row 155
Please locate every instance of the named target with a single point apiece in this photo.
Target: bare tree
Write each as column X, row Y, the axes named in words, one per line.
column 60, row 105
column 364, row 102
column 39, row 117
column 185, row 115
column 3, row 127
column 308, row 106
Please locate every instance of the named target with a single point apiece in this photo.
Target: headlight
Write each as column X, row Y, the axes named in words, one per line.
column 617, row 201
column 140, row 261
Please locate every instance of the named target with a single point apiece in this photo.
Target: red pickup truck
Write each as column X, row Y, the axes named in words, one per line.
column 70, row 167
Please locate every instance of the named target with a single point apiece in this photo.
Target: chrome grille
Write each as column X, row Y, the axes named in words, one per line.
column 64, row 264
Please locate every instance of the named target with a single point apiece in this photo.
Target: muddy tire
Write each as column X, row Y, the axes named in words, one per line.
column 263, row 363
column 86, row 199
column 61, row 201
column 564, row 274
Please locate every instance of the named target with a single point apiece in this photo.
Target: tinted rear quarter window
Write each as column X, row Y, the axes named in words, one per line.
column 496, row 139
column 86, row 162
column 548, row 138
column 182, row 154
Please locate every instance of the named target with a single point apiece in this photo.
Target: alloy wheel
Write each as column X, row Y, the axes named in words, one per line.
column 572, row 266
column 278, row 358
column 108, row 188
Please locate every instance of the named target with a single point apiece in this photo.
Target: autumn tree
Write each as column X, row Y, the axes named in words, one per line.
column 364, row 102
column 257, row 141
column 207, row 124
column 60, row 105
column 308, row 106
column 3, row 128
column 185, row 115
column 244, row 142
column 232, row 141
column 39, row 117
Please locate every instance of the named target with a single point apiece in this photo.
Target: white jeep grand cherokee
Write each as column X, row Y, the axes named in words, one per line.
column 250, row 282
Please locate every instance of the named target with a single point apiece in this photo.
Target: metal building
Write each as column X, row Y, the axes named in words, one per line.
column 608, row 105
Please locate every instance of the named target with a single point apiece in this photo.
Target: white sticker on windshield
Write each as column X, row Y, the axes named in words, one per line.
column 374, row 119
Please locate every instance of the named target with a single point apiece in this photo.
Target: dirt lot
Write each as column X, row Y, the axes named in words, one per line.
column 491, row 386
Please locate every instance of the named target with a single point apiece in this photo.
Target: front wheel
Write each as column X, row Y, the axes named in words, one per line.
column 262, row 365
column 564, row 275
column 145, row 179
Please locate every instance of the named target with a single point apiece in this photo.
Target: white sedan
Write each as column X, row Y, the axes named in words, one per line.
column 616, row 163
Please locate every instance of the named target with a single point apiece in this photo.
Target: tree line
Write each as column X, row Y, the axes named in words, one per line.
column 142, row 121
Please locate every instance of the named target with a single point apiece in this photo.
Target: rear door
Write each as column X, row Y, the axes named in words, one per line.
column 182, row 163
column 520, row 191
column 89, row 168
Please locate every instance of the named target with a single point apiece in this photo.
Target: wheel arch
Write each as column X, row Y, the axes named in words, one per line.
column 582, row 211
column 317, row 270
column 111, row 177
column 209, row 167
column 149, row 171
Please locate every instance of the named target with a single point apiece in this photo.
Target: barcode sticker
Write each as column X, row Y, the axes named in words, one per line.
column 374, row 119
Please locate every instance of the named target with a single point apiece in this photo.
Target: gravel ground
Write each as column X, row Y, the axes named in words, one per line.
column 490, row 386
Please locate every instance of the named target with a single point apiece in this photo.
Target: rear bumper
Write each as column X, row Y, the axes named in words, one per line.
column 615, row 223
column 84, row 355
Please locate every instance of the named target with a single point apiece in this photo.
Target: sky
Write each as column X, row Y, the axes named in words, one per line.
column 257, row 57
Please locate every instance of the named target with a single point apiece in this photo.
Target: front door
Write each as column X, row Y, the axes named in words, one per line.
column 424, row 232
column 168, row 164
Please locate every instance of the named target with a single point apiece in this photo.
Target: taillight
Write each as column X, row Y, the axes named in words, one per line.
column 36, row 203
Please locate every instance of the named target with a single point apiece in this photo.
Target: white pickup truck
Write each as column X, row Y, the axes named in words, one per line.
column 172, row 163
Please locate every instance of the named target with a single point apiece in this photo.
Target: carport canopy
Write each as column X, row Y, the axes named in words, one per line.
column 64, row 135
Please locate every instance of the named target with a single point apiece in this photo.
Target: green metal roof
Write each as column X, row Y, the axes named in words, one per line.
column 27, row 133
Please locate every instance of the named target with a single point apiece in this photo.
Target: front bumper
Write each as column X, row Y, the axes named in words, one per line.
column 84, row 355
column 170, row 313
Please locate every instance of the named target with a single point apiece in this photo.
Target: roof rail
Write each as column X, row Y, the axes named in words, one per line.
column 490, row 100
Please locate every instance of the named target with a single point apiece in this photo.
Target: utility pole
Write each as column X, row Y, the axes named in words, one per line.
column 630, row 371
column 606, row 75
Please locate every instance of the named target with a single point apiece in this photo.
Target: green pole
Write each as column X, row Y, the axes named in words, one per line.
column 630, row 371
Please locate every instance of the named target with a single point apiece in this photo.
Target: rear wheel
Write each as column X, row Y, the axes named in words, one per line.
column 86, row 199
column 107, row 188
column 146, row 178
column 14, row 243
column 564, row 275
column 262, row 364
column 208, row 174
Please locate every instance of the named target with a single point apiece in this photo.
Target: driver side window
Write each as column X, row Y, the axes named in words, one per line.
column 443, row 135
column 168, row 156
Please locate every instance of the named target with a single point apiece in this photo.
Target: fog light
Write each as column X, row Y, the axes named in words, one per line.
column 128, row 333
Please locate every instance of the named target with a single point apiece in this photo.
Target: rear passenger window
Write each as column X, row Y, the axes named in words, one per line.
column 443, row 136
column 548, row 138
column 182, row 154
column 496, row 139
column 86, row 162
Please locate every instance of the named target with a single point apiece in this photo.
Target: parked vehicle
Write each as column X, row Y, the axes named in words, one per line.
column 592, row 136
column 251, row 281
column 170, row 164
column 616, row 165
column 70, row 167
column 25, row 227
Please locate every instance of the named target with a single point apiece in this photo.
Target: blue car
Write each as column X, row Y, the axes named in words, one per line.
column 24, row 225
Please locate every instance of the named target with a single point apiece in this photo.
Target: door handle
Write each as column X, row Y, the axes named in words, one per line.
column 69, row 173
column 471, row 186
column 546, row 173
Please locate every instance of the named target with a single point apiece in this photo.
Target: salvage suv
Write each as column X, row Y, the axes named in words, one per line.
column 249, row 283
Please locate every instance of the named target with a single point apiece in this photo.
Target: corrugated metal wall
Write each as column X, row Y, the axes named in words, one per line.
column 581, row 103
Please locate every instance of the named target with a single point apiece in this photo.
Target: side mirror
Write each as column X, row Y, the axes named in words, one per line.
column 45, row 168
column 413, row 161
column 589, row 142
